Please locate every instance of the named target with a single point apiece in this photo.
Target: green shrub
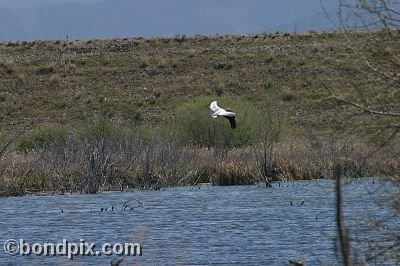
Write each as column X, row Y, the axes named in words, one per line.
column 195, row 126
column 41, row 137
column 97, row 130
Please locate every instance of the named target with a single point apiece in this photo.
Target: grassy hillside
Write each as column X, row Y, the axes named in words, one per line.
column 149, row 82
column 144, row 80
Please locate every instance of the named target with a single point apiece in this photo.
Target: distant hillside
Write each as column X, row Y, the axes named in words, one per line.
column 142, row 81
column 108, row 19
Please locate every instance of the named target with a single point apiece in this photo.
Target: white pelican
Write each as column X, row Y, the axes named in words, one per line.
column 217, row 111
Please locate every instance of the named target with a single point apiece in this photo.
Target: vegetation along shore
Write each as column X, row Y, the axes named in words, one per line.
column 97, row 115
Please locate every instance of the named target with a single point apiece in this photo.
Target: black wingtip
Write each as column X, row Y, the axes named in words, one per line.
column 231, row 121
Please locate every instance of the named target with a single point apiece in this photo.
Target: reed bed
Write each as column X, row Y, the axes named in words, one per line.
column 131, row 161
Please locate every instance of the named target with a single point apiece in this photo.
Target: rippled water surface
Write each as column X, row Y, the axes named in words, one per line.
column 244, row 225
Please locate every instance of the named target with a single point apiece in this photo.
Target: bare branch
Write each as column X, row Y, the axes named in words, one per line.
column 386, row 142
column 380, row 72
column 332, row 96
column 9, row 142
column 375, row 112
column 391, row 247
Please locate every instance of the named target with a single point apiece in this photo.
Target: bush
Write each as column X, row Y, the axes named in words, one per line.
column 40, row 138
column 98, row 130
column 195, row 126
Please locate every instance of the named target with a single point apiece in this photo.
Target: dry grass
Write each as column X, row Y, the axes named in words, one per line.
column 130, row 162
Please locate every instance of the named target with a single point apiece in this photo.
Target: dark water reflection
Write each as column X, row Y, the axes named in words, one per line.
column 246, row 225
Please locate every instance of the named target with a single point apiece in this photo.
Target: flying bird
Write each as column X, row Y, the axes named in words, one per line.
column 218, row 111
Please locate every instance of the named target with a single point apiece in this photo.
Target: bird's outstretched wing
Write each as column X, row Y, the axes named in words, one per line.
column 214, row 107
column 231, row 121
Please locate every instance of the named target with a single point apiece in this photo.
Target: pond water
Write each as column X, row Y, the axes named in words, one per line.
column 243, row 225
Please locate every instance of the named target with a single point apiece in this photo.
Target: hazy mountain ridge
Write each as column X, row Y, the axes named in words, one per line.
column 107, row 19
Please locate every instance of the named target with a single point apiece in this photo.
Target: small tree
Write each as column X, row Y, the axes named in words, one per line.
column 370, row 94
column 269, row 135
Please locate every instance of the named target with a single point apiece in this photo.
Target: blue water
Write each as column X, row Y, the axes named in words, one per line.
column 243, row 225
